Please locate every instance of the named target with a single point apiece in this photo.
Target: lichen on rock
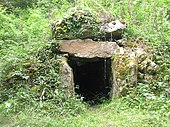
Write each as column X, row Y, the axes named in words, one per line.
column 88, row 48
column 66, row 77
column 130, row 66
column 124, row 67
column 83, row 24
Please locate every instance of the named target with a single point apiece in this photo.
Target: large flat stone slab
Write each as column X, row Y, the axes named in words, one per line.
column 88, row 48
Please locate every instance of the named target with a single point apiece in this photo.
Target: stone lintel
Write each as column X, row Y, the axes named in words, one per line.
column 88, row 48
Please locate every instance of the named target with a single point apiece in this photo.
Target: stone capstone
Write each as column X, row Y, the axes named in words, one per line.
column 88, row 48
column 84, row 24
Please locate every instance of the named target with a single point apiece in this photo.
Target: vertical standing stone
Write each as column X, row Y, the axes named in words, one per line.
column 67, row 77
column 125, row 69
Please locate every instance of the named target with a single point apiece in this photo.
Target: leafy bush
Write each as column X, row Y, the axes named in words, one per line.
column 37, row 81
column 29, row 65
column 79, row 24
column 17, row 3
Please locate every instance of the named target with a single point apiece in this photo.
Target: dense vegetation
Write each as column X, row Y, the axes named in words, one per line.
column 30, row 89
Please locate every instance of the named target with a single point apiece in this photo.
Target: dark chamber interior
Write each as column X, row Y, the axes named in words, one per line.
column 92, row 79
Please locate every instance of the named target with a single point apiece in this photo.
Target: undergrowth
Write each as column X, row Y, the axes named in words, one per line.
column 29, row 66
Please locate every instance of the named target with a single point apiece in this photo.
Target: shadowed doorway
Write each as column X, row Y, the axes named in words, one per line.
column 92, row 78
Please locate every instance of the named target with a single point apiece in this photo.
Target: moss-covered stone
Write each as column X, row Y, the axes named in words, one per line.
column 125, row 71
column 131, row 65
column 66, row 76
column 79, row 24
column 85, row 24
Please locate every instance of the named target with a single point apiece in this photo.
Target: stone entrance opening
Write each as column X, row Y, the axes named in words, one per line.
column 92, row 78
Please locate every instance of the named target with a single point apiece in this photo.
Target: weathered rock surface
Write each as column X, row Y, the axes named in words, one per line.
column 83, row 24
column 113, row 30
column 130, row 66
column 125, row 69
column 66, row 77
column 88, row 48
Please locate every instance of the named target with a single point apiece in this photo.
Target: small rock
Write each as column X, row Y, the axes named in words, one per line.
column 112, row 26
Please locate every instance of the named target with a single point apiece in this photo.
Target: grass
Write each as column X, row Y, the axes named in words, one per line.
column 25, row 31
column 113, row 114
